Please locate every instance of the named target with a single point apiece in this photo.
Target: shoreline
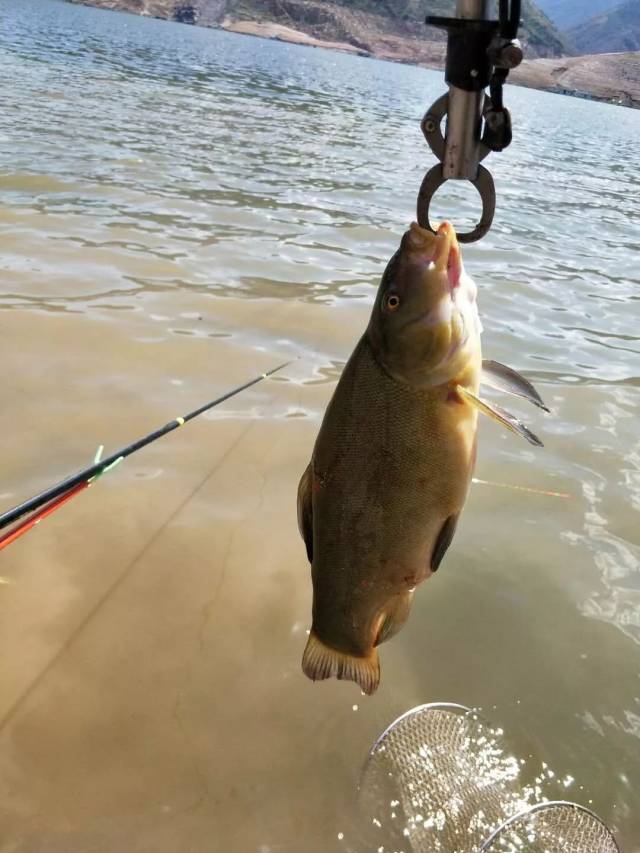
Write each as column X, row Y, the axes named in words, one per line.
column 278, row 32
column 612, row 78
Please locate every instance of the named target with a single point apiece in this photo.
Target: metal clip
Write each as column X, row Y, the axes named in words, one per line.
column 432, row 129
column 479, row 53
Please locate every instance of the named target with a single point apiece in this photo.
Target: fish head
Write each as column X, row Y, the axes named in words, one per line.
column 424, row 328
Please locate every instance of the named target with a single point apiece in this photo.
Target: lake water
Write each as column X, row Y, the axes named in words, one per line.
column 181, row 210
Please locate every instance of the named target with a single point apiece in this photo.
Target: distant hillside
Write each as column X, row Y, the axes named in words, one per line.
column 538, row 32
column 610, row 32
column 392, row 29
column 613, row 77
column 567, row 14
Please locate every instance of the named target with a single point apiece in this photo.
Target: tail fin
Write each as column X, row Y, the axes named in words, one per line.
column 320, row 662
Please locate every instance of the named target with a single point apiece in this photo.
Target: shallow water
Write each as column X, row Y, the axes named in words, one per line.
column 183, row 209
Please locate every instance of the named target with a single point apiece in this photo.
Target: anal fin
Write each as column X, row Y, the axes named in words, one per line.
column 498, row 414
column 395, row 615
column 321, row 661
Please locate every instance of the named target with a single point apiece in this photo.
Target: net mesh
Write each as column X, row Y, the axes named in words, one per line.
column 441, row 779
column 556, row 828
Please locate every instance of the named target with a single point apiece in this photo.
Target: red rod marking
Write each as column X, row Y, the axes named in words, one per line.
column 31, row 522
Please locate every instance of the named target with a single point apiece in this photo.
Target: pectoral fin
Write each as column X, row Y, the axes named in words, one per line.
column 503, row 378
column 305, row 511
column 505, row 418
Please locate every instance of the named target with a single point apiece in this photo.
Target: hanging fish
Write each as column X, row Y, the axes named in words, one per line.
column 379, row 502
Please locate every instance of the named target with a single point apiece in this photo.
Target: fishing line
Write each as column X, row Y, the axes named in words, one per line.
column 515, row 488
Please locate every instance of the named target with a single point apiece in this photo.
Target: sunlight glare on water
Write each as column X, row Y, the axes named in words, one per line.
column 183, row 209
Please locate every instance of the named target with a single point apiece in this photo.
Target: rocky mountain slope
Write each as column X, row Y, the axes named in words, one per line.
column 617, row 29
column 566, row 14
column 388, row 28
column 613, row 77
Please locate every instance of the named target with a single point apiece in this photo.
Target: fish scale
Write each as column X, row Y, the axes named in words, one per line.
column 383, row 508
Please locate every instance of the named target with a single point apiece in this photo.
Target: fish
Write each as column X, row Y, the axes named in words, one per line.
column 379, row 503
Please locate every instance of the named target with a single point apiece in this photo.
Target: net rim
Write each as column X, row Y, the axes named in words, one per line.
column 430, row 706
column 538, row 807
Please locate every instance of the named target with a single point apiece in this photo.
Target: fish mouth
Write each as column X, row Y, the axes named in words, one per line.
column 440, row 249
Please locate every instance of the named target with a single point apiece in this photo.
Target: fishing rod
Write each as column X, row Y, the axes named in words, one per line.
column 46, row 502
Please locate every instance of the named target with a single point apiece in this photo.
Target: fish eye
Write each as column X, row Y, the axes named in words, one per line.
column 392, row 301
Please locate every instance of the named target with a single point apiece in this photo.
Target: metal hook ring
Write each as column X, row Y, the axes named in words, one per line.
column 432, row 182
